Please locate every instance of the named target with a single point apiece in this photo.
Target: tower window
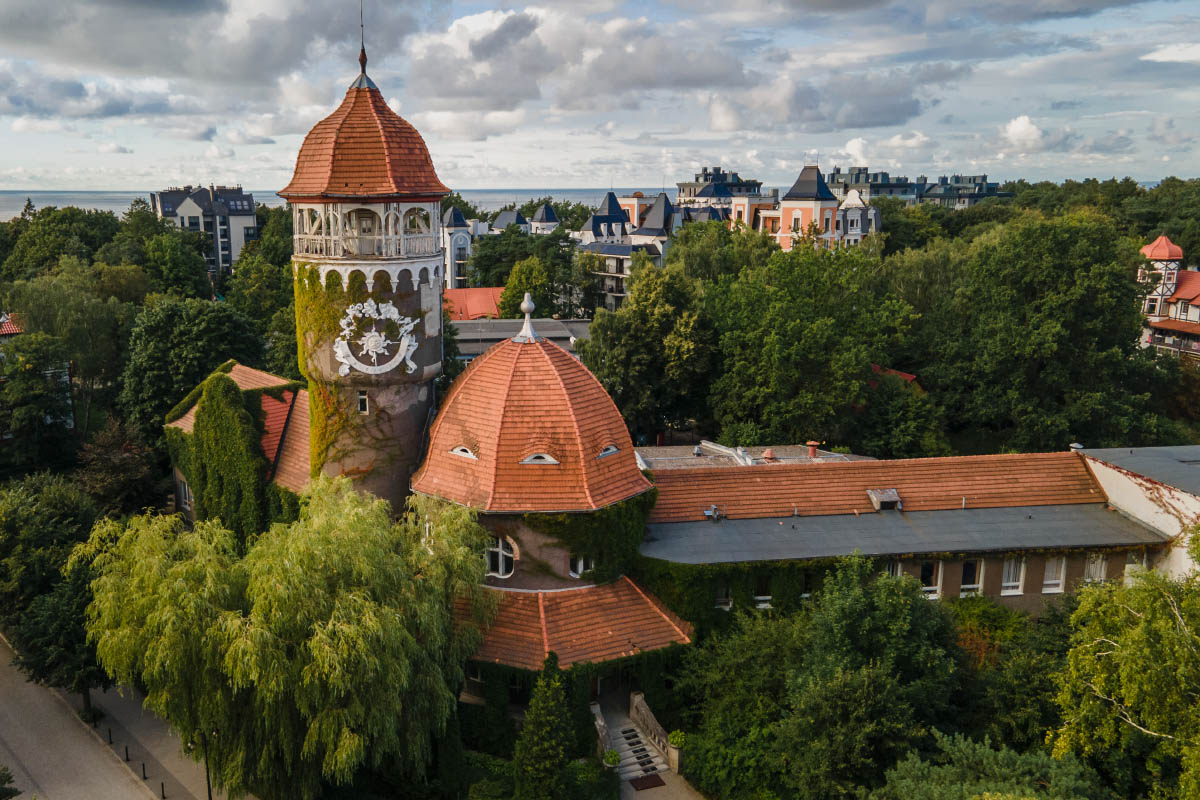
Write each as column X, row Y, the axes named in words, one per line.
column 362, row 403
column 581, row 564
column 609, row 449
column 539, row 458
column 500, row 558
column 464, row 452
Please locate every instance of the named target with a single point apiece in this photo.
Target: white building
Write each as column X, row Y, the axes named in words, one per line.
column 225, row 213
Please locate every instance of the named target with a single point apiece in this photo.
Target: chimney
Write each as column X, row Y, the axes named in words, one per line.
column 812, row 449
column 1075, row 446
column 768, row 455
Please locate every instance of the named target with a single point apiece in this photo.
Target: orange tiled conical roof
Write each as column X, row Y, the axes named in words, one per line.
column 364, row 149
column 523, row 400
column 1163, row 249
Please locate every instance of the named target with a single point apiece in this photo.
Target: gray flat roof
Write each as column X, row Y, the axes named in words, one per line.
column 1175, row 466
column 973, row 530
column 475, row 336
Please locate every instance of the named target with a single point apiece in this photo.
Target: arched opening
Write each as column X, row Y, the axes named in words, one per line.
column 417, row 230
column 363, row 233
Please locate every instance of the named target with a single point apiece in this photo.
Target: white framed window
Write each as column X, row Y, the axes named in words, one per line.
column 724, row 599
column 1151, row 305
column 581, row 564
column 465, row 452
column 609, row 449
column 931, row 578
column 1094, row 568
column 185, row 495
column 1012, row 580
column 894, row 569
column 362, row 403
column 1055, row 576
column 972, row 577
column 501, row 559
column 539, row 458
column 762, row 592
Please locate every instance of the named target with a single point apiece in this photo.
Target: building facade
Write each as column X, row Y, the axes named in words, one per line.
column 1172, row 306
column 225, row 214
column 713, row 185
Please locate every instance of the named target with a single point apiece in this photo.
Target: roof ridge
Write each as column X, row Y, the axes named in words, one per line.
column 374, row 95
column 500, row 427
column 687, row 639
column 283, row 432
column 542, row 614
column 587, row 488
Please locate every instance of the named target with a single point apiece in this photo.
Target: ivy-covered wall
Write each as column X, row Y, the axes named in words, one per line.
column 611, row 535
column 222, row 458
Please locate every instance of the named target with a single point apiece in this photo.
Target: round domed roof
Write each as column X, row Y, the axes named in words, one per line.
column 364, row 150
column 1163, row 249
column 527, row 428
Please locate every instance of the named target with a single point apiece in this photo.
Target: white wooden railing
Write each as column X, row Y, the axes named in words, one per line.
column 366, row 246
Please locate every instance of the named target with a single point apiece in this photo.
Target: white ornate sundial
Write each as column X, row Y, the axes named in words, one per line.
column 368, row 342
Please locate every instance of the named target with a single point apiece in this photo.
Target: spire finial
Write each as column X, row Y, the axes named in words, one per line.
column 362, row 32
column 527, row 334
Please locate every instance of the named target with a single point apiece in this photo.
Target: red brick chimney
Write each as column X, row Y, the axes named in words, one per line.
column 812, row 449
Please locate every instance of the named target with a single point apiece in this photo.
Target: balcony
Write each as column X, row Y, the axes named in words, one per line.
column 1175, row 345
column 407, row 246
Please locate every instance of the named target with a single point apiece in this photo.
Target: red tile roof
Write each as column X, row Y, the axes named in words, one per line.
column 285, row 426
column 1163, row 249
column 1177, row 325
column 1187, row 286
column 9, row 326
column 364, row 149
column 594, row 624
column 924, row 484
column 520, row 399
column 472, row 303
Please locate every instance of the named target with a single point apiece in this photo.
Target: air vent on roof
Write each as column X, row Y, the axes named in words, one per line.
column 712, row 513
column 539, row 458
column 885, row 499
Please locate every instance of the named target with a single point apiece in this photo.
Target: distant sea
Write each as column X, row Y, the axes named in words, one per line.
column 13, row 200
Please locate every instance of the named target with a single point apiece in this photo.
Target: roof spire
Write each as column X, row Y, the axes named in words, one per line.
column 527, row 335
column 362, row 32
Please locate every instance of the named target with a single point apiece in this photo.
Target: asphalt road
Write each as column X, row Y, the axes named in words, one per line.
column 49, row 752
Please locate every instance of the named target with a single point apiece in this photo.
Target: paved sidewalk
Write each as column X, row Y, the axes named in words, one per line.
column 50, row 751
column 150, row 740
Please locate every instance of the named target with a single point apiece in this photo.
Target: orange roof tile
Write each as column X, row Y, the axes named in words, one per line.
column 516, row 400
column 285, row 426
column 1187, row 286
column 472, row 303
column 593, row 624
column 1177, row 325
column 9, row 326
column 364, row 149
column 924, row 484
column 1163, row 249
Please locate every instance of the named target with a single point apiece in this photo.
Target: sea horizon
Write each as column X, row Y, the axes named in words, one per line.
column 12, row 201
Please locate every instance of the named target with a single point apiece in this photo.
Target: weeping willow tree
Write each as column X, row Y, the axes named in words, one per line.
column 330, row 646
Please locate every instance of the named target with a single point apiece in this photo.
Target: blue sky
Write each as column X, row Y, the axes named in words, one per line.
column 137, row 94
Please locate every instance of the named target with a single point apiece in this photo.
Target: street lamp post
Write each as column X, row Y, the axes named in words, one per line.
column 207, row 782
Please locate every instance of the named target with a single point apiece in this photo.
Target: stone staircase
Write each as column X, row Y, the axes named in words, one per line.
column 638, row 757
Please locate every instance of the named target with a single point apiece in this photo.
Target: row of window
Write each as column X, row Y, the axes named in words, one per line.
column 502, row 562
column 535, row 458
column 1012, row 578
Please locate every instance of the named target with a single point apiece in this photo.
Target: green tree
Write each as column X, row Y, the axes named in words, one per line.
column 469, row 210
column 175, row 343
column 1132, row 673
column 51, row 233
column 51, row 641
column 493, row 257
column 330, row 646
column 175, row 268
column 42, row 517
column 819, row 703
column 544, row 747
column 905, row 226
column 7, row 790
column 259, row 289
column 898, row 420
column 654, row 354
column 35, row 403
column 274, row 241
column 710, row 250
column 798, row 338
column 528, row 275
column 965, row 770
column 281, row 355
column 1041, row 346
column 138, row 225
column 452, row 365
column 119, row 473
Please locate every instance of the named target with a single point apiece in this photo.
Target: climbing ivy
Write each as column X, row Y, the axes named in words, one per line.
column 222, row 458
column 611, row 535
column 336, row 430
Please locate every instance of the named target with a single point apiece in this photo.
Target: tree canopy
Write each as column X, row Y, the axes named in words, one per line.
column 329, row 646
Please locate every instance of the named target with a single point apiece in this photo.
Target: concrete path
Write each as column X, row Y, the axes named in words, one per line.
column 50, row 752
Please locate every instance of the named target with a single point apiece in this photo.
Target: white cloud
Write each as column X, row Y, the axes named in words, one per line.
column 217, row 153
column 36, row 125
column 1021, row 132
column 112, row 148
column 1181, row 53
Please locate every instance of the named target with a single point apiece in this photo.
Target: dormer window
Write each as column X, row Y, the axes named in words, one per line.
column 608, row 450
column 464, row 452
column 885, row 499
column 581, row 564
column 539, row 458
